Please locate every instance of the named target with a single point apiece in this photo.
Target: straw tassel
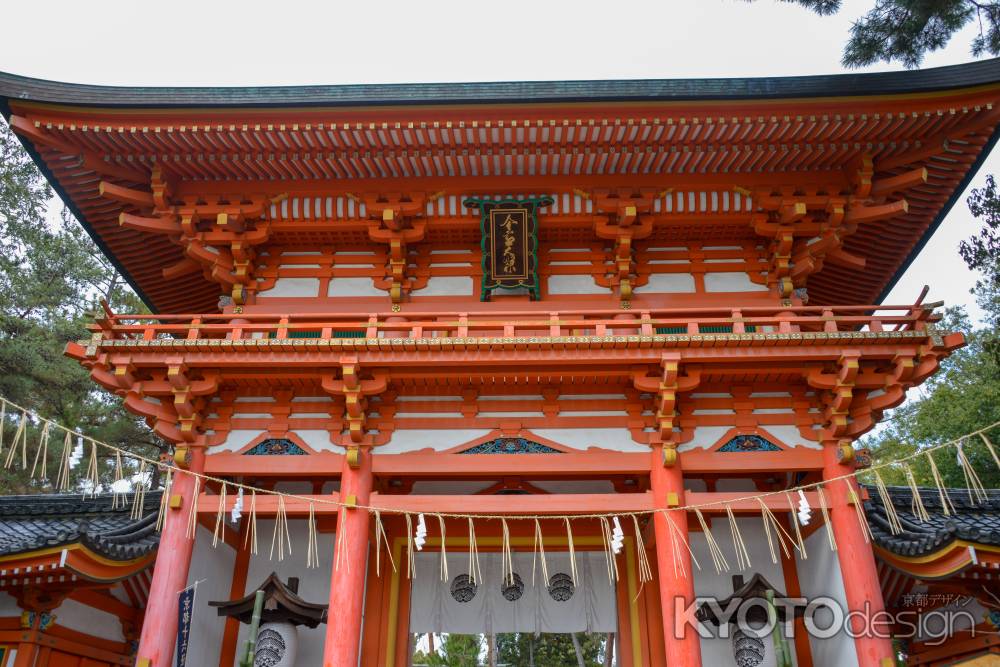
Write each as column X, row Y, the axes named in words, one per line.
column 798, row 530
column 139, row 499
column 62, row 477
column 340, row 551
column 281, row 538
column 824, row 508
column 572, row 551
column 609, row 555
column 43, row 453
column 161, row 515
column 380, row 537
column 507, row 561
column 742, row 555
column 444, row 550
column 312, row 552
column 986, row 441
column 917, row 508
column 192, row 524
column 411, row 568
column 475, row 574
column 92, row 476
column 973, row 484
column 645, row 571
column 771, row 523
column 539, row 550
column 676, row 540
column 250, row 537
column 718, row 558
column 3, row 421
column 20, row 436
column 219, row 531
column 118, row 497
column 946, row 505
column 859, row 511
column 895, row 527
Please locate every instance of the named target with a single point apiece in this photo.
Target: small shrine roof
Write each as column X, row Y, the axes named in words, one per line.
column 281, row 604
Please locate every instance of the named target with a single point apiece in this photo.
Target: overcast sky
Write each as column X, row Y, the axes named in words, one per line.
column 220, row 43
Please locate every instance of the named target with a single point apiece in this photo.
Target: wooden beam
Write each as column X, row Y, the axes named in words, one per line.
column 315, row 465
column 557, row 465
column 568, row 503
column 736, row 500
column 267, row 504
column 796, row 459
column 105, row 602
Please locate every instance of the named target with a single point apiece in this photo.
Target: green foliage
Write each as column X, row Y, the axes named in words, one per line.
column 907, row 30
column 454, row 651
column 516, row 649
column 964, row 395
column 549, row 650
column 51, row 277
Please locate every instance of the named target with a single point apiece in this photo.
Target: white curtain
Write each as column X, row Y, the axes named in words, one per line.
column 591, row 607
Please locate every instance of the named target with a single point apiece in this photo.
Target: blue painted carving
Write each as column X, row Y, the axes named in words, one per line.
column 276, row 447
column 511, row 446
column 749, row 443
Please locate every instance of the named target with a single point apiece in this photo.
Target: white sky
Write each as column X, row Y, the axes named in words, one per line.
column 216, row 42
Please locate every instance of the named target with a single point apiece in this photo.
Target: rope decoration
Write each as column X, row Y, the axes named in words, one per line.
column 89, row 484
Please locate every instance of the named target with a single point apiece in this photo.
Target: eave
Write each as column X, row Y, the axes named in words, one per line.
column 130, row 129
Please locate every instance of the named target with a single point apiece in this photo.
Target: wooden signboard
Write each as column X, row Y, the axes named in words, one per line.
column 509, row 243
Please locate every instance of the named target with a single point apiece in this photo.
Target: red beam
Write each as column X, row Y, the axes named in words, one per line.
column 267, row 504
column 462, row 465
column 569, row 503
column 316, row 465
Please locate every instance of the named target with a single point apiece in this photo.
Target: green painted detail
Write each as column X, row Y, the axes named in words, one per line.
column 705, row 329
column 319, row 334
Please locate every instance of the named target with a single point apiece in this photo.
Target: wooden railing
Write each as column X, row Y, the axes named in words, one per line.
column 425, row 325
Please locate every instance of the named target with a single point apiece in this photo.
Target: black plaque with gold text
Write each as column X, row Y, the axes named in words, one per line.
column 509, row 244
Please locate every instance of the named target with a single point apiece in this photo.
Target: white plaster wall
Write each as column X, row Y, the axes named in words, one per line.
column 413, row 439
column 731, row 282
column 316, row 439
column 705, row 437
column 292, row 287
column 8, row 605
column 819, row 575
column 353, row 287
column 618, row 439
column 235, row 441
column 213, row 568
column 83, row 618
column 446, row 286
column 707, row 583
column 314, row 583
column 669, row 283
column 574, row 284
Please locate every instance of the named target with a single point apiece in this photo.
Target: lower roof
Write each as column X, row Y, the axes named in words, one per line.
column 102, row 524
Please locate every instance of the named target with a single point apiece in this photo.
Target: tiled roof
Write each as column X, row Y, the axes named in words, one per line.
column 16, row 87
column 29, row 523
column 972, row 522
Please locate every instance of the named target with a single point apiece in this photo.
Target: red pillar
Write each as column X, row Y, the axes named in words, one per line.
column 170, row 575
column 347, row 585
column 857, row 562
column 682, row 643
